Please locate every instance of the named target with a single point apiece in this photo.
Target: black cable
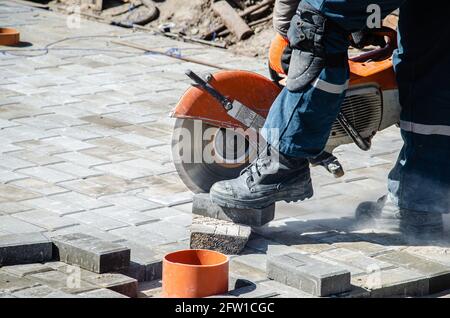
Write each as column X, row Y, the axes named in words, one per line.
column 48, row 46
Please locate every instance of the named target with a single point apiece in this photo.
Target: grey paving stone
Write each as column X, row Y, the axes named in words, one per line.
column 114, row 281
column 53, row 204
column 170, row 231
column 86, row 229
column 203, row 206
column 24, row 248
column 12, row 207
column 91, row 253
column 145, row 262
column 438, row 274
column 140, row 235
column 356, row 259
column 393, row 282
column 45, row 219
column 66, row 282
column 367, row 248
column 311, row 276
column 47, row 174
column 125, row 215
column 218, row 235
column 269, row 289
column 102, row 293
column 38, row 186
column 26, row 269
column 12, row 193
column 10, row 283
column 97, row 220
column 81, row 159
column 41, row 292
column 130, row 201
column 12, row 225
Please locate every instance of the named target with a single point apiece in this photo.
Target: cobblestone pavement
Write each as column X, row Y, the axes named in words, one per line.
column 85, row 134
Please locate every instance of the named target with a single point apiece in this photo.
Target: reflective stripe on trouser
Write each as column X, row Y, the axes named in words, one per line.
column 304, row 119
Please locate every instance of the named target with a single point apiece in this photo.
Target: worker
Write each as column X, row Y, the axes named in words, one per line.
column 316, row 63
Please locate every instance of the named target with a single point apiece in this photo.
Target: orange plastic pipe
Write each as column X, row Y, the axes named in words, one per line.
column 194, row 274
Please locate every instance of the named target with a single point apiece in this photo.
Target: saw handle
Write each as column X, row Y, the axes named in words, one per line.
column 380, row 53
column 199, row 82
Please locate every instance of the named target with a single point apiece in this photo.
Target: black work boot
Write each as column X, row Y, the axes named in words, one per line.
column 415, row 224
column 270, row 178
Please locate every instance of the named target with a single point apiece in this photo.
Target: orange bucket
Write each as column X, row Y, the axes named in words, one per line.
column 194, row 274
column 9, row 36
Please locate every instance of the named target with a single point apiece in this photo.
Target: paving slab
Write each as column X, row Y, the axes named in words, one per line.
column 396, row 282
column 26, row 269
column 70, row 282
column 438, row 274
column 218, row 235
column 309, row 275
column 116, row 282
column 24, row 248
column 91, row 253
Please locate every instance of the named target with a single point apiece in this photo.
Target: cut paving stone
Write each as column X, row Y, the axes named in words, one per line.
column 24, row 248
column 393, row 282
column 91, row 253
column 203, row 206
column 102, row 293
column 438, row 274
column 218, row 235
column 309, row 275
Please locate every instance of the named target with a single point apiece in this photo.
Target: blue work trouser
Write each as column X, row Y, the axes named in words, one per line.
column 420, row 180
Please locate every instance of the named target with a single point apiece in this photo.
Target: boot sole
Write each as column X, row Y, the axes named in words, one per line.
column 261, row 203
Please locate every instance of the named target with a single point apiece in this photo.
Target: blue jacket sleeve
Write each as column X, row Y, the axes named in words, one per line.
column 352, row 15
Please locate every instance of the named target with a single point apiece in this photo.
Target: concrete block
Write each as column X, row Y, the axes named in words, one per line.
column 218, row 235
column 307, row 274
column 203, row 206
column 24, row 248
column 102, row 293
column 438, row 274
column 91, row 253
column 117, row 282
column 145, row 262
column 393, row 282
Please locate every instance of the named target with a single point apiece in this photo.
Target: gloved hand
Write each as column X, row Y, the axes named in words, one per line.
column 280, row 54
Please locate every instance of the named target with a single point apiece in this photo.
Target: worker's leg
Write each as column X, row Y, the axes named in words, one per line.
column 300, row 119
column 304, row 118
column 420, row 181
